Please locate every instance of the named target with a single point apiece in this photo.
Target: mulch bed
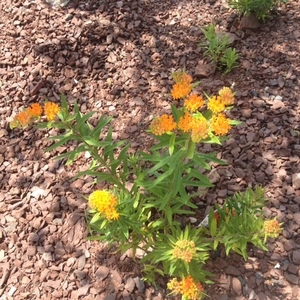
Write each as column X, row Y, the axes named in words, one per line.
column 116, row 57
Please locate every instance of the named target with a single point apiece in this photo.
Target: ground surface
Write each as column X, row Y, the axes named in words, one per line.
column 116, row 57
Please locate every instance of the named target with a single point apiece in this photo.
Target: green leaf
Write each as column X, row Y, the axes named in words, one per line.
column 203, row 180
column 200, row 161
column 63, row 114
column 95, row 218
column 71, row 153
column 95, row 238
column 190, row 148
column 103, row 121
column 172, row 143
column 160, row 178
column 84, row 118
column 213, row 224
column 92, row 142
column 235, row 122
column 212, row 157
column 177, row 113
column 59, row 143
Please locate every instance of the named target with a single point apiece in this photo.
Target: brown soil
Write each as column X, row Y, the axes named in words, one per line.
column 116, row 57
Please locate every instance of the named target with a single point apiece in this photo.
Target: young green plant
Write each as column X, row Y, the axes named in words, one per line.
column 217, row 48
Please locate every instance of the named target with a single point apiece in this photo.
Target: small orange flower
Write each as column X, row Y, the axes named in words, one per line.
column 51, row 110
column 184, row 122
column 181, row 90
column 215, row 104
column 190, row 289
column 199, row 129
column 163, row 124
column 35, row 110
column 104, row 202
column 181, row 77
column 227, row 96
column 220, row 124
column 187, row 287
column 23, row 118
column 193, row 102
column 272, row 228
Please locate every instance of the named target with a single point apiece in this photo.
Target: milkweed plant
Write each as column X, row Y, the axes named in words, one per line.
column 149, row 192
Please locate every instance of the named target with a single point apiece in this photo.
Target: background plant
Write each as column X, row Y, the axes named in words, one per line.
column 150, row 191
column 260, row 8
column 218, row 50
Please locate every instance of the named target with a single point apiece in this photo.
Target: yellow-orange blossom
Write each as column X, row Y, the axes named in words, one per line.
column 187, row 287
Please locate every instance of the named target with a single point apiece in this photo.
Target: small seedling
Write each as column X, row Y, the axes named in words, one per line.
column 217, row 48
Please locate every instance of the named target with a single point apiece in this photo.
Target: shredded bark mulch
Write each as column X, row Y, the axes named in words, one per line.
column 116, row 57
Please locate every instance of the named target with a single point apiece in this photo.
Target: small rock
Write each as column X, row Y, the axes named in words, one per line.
column 277, row 104
column 259, row 103
column 47, row 256
column 231, row 270
column 291, row 278
column 246, row 113
column 293, row 269
column 129, row 72
column 81, row 262
column 262, row 296
column 236, row 286
column 31, row 250
column 249, row 22
column 296, row 257
column 139, row 284
column 102, row 273
column 204, row 70
column 130, row 284
column 193, row 220
column 297, row 218
column 296, row 181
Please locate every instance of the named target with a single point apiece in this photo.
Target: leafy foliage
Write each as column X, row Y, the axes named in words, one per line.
column 218, row 50
column 260, row 8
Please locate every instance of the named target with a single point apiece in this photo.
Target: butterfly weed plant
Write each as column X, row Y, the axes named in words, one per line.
column 260, row 8
column 149, row 192
column 217, row 49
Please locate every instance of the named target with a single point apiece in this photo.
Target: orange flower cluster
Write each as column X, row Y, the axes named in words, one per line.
column 182, row 77
column 226, row 95
column 24, row 117
column 199, row 129
column 187, row 288
column 181, row 90
column 184, row 250
column 191, row 121
column 218, row 103
column 163, row 124
column 182, row 86
column 104, row 202
column 220, row 124
column 34, row 111
column 215, row 104
column 272, row 228
column 197, row 126
column 193, row 103
column 51, row 110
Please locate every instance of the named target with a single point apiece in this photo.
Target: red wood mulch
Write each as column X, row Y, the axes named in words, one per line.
column 116, row 57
